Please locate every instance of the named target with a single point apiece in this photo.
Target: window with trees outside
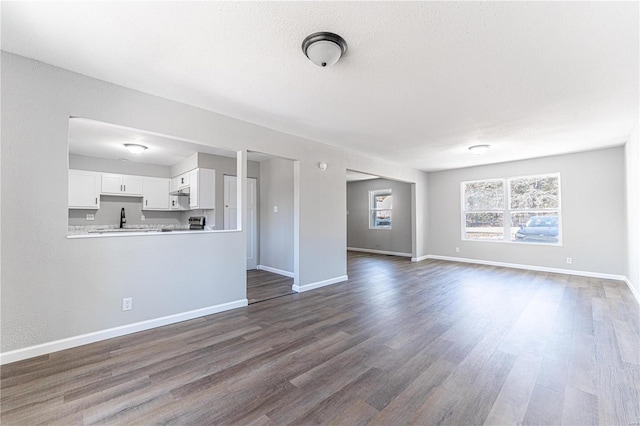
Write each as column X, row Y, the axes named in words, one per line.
column 519, row 209
column 380, row 205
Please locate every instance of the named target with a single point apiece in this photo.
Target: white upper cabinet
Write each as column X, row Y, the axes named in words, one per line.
column 202, row 191
column 155, row 193
column 178, row 202
column 183, row 180
column 193, row 190
column 84, row 189
column 115, row 184
column 174, row 184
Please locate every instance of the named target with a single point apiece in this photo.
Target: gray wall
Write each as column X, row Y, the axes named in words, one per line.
column 632, row 175
column 420, row 241
column 223, row 166
column 593, row 213
column 42, row 270
column 276, row 229
column 109, row 213
column 398, row 238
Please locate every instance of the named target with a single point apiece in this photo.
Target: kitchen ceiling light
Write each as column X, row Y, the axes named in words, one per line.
column 479, row 149
column 324, row 49
column 135, row 148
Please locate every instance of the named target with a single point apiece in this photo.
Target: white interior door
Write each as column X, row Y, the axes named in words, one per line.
column 231, row 216
column 230, row 202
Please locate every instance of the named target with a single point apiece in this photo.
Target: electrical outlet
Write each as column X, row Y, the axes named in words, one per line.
column 457, row 249
column 569, row 261
column 91, row 217
column 275, row 209
column 142, row 218
column 127, row 303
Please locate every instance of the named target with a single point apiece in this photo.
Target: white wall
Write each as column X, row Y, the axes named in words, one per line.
column 276, row 229
column 632, row 187
column 359, row 235
column 593, row 213
column 42, row 270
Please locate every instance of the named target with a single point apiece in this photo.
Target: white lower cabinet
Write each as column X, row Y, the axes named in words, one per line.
column 155, row 193
column 84, row 189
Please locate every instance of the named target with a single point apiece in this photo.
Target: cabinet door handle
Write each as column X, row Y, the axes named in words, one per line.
column 96, row 201
column 120, row 188
column 146, row 202
column 125, row 188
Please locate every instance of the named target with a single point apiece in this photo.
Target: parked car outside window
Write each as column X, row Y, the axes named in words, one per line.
column 541, row 229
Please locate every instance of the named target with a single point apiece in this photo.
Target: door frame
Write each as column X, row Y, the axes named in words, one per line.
column 252, row 219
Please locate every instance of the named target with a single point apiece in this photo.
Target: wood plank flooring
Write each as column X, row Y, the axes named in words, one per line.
column 263, row 285
column 422, row 343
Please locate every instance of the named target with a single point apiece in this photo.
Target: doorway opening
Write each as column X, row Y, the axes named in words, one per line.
column 379, row 215
column 270, row 224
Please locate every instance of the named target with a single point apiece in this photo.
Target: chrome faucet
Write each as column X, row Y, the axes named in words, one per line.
column 123, row 219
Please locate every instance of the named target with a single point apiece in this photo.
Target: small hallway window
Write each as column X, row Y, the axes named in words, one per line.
column 380, row 205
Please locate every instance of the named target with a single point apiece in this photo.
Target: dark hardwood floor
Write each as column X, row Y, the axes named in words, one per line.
column 263, row 285
column 422, row 343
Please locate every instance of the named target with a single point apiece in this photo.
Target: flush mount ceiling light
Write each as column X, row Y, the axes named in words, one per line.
column 324, row 49
column 479, row 149
column 135, row 148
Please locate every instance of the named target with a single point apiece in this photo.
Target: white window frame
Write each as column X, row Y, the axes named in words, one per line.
column 507, row 211
column 373, row 193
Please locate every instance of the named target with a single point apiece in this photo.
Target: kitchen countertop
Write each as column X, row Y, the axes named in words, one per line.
column 94, row 231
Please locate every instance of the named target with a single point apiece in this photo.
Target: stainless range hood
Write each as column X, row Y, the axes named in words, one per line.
column 184, row 192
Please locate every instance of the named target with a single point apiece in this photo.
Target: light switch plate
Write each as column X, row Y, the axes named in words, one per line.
column 91, row 217
column 275, row 209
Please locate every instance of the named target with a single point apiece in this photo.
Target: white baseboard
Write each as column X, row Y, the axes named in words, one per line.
column 531, row 267
column 420, row 259
column 633, row 290
column 390, row 253
column 307, row 287
column 275, row 270
column 72, row 342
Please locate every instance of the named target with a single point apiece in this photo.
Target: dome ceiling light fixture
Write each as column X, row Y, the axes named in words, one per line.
column 135, row 148
column 479, row 149
column 323, row 48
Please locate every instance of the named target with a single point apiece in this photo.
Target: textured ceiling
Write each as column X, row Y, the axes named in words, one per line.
column 102, row 140
column 95, row 139
column 420, row 83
